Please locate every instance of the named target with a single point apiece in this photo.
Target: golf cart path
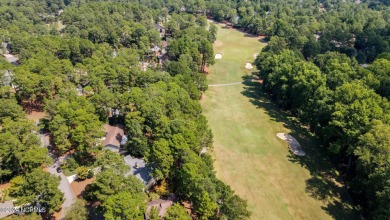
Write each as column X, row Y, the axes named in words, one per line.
column 235, row 83
column 225, row 84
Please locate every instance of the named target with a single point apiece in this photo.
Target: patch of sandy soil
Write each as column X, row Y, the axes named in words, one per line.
column 218, row 56
column 78, row 187
column 5, row 185
column 35, row 116
column 202, row 98
column 255, row 55
column 57, row 215
column 206, row 70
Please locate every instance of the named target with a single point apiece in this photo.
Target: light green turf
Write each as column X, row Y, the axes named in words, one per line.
column 249, row 156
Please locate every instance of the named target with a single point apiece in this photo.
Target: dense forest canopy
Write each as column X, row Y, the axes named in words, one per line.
column 80, row 59
column 357, row 28
column 337, row 83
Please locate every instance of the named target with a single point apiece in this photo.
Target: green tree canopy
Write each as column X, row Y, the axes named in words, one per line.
column 38, row 186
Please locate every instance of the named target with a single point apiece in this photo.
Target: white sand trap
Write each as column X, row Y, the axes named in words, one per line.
column 255, row 55
column 295, row 147
column 218, row 56
column 248, row 66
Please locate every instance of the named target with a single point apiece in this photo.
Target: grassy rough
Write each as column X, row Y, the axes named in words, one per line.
column 249, row 156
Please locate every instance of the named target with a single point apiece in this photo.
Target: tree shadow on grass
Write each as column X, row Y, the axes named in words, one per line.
column 325, row 183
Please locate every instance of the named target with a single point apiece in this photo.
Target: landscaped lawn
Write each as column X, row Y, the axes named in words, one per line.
column 250, row 158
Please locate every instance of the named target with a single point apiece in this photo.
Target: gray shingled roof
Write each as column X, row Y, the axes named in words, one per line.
column 6, row 209
column 142, row 172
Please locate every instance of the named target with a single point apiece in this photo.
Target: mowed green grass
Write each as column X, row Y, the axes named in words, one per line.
column 249, row 157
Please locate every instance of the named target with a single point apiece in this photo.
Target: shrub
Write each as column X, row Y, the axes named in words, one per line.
column 82, row 172
column 90, row 174
column 70, row 164
column 153, row 196
column 162, row 188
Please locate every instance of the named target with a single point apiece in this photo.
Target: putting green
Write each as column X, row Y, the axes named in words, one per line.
column 250, row 158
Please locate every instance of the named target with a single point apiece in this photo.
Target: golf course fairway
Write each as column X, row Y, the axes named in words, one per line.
column 250, row 157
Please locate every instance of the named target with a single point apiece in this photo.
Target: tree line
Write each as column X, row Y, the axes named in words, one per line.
column 345, row 105
column 358, row 29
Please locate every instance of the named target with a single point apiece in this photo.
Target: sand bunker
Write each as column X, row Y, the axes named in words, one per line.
column 295, row 147
column 248, row 66
column 218, row 56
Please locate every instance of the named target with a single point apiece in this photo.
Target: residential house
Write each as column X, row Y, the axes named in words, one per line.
column 161, row 205
column 11, row 59
column 144, row 66
column 6, row 78
column 164, row 53
column 113, row 138
column 140, row 170
column 156, row 50
column 6, row 209
column 160, row 29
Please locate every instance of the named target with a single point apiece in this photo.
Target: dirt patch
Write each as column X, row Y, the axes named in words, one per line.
column 218, row 56
column 206, row 70
column 35, row 116
column 255, row 55
column 78, row 187
column 202, row 98
column 57, row 215
column 5, row 185
column 30, row 106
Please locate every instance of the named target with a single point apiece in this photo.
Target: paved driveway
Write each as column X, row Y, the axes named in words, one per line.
column 65, row 188
column 64, row 185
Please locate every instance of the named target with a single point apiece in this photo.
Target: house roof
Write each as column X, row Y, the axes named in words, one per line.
column 142, row 172
column 113, row 135
column 155, row 48
column 6, row 77
column 11, row 59
column 157, row 26
column 160, row 204
column 6, row 209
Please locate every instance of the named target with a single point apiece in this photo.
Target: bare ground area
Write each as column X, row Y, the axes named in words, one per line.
column 36, row 115
column 78, row 187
